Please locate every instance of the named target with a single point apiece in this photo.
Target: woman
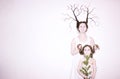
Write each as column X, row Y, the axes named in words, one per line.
column 79, row 41
column 82, row 39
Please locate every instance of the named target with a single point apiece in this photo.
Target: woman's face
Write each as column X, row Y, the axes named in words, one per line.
column 82, row 27
column 87, row 51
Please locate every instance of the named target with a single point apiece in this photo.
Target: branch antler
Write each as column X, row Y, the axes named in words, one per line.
column 76, row 11
column 88, row 15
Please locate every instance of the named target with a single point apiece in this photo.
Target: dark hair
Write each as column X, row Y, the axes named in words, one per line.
column 78, row 23
column 92, row 50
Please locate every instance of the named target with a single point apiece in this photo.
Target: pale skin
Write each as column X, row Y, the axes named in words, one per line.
column 82, row 38
column 87, row 51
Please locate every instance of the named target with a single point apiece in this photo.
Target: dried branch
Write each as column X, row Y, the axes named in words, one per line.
column 77, row 11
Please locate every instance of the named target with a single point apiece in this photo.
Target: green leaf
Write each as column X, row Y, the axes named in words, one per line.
column 85, row 62
column 87, row 57
column 88, row 67
column 89, row 72
column 83, row 71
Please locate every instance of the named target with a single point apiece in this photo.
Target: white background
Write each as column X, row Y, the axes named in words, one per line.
column 35, row 38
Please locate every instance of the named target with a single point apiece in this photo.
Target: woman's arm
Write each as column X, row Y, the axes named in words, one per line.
column 74, row 49
column 94, row 69
column 92, row 42
column 95, row 46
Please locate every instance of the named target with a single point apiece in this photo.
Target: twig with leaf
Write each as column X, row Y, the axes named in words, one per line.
column 85, row 70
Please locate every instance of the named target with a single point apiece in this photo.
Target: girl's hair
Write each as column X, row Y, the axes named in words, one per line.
column 78, row 24
column 92, row 50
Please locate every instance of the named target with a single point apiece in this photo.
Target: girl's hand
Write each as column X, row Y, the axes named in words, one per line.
column 86, row 77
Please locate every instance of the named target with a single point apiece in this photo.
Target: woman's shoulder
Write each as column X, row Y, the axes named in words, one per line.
column 75, row 39
column 91, row 38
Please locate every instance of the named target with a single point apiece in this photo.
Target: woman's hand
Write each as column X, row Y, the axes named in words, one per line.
column 96, row 47
column 79, row 46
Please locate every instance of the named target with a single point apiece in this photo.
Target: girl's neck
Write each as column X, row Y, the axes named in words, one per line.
column 87, row 56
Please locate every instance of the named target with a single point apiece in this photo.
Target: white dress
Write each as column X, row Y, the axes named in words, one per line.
column 74, row 74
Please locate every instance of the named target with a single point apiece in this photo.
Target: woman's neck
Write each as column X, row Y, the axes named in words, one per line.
column 82, row 36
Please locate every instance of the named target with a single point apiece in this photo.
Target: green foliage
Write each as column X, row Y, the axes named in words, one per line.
column 85, row 69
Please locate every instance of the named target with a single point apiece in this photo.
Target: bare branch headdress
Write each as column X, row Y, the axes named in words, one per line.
column 76, row 11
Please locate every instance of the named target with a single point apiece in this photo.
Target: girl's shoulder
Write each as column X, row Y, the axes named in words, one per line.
column 92, row 59
column 81, row 59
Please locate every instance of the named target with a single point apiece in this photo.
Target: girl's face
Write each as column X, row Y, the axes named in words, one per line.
column 87, row 51
column 82, row 27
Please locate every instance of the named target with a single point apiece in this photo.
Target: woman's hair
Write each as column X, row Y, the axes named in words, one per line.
column 78, row 24
column 92, row 50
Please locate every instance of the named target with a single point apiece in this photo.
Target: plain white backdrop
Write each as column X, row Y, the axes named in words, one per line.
column 35, row 38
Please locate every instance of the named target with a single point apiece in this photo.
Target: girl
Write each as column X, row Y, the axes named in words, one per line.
column 87, row 65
